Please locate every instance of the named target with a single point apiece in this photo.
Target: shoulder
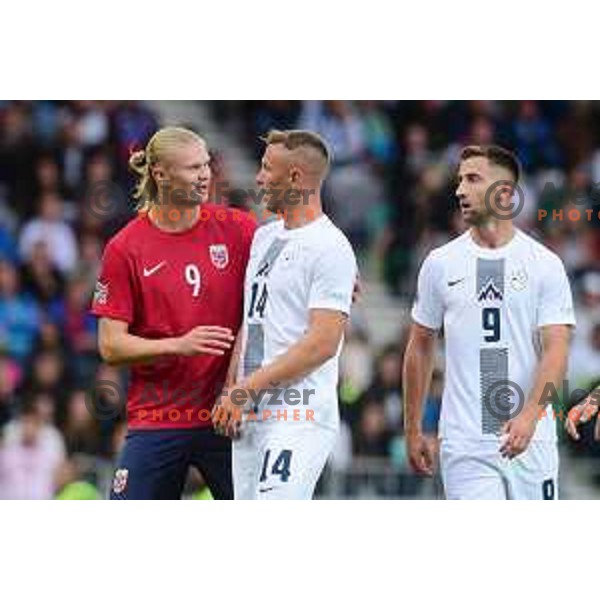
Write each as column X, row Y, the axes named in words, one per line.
column 328, row 250
column 267, row 230
column 541, row 254
column 328, row 237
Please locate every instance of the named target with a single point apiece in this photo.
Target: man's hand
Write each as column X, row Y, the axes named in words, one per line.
column 518, row 433
column 205, row 339
column 228, row 411
column 421, row 453
column 582, row 413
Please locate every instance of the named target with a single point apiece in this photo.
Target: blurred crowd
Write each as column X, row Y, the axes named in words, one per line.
column 391, row 188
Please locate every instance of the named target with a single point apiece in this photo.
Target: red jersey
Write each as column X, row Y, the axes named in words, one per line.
column 164, row 284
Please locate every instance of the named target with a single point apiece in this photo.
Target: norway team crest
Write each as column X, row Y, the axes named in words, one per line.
column 219, row 255
column 120, row 480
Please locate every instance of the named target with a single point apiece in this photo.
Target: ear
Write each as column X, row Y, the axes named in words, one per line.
column 506, row 193
column 295, row 175
column 158, row 173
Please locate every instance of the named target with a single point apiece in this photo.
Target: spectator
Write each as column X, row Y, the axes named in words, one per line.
column 73, row 317
column 30, row 456
column 93, row 123
column 71, row 152
column 41, row 279
column 90, row 255
column 534, row 141
column 49, row 227
column 19, row 315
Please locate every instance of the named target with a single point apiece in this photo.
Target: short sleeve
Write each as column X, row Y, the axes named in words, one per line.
column 428, row 307
column 333, row 279
column 555, row 305
column 113, row 296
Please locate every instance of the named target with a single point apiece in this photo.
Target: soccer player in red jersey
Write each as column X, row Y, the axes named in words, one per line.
column 170, row 298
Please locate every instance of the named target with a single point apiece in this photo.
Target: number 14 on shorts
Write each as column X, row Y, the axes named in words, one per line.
column 279, row 466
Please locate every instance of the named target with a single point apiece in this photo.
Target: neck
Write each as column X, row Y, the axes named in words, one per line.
column 174, row 219
column 493, row 234
column 303, row 213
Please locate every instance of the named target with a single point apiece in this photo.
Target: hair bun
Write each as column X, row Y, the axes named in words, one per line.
column 137, row 162
column 138, row 157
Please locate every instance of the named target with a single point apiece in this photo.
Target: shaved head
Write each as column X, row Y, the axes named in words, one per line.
column 305, row 150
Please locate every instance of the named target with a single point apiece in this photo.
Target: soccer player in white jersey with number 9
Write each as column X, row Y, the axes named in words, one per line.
column 504, row 304
column 298, row 293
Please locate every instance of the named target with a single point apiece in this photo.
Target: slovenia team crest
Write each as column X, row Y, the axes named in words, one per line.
column 120, row 480
column 219, row 255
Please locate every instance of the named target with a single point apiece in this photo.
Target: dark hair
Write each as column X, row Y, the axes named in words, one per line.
column 496, row 155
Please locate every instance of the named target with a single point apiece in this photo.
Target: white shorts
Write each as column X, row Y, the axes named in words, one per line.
column 479, row 472
column 279, row 461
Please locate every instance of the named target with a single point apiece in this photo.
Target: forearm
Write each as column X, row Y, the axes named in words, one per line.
column 232, row 371
column 550, row 372
column 126, row 349
column 418, row 369
column 301, row 359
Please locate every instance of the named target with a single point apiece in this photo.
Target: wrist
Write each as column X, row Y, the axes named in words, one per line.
column 170, row 346
column 413, row 431
column 534, row 411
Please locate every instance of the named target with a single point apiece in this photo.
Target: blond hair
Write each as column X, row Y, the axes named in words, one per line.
column 157, row 149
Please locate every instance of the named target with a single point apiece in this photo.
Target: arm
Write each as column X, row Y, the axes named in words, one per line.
column 319, row 344
column 417, row 371
column 552, row 366
column 115, row 304
column 427, row 314
column 551, row 369
column 555, row 316
column 118, row 347
column 235, row 360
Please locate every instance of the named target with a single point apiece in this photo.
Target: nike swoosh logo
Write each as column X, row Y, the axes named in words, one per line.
column 451, row 283
column 266, row 489
column 148, row 272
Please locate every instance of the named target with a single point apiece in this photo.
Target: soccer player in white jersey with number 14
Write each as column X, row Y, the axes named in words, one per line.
column 504, row 304
column 297, row 298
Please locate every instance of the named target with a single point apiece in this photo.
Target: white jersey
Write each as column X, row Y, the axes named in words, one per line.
column 490, row 304
column 290, row 272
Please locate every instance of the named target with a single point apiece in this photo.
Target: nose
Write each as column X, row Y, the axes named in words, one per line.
column 259, row 179
column 460, row 192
